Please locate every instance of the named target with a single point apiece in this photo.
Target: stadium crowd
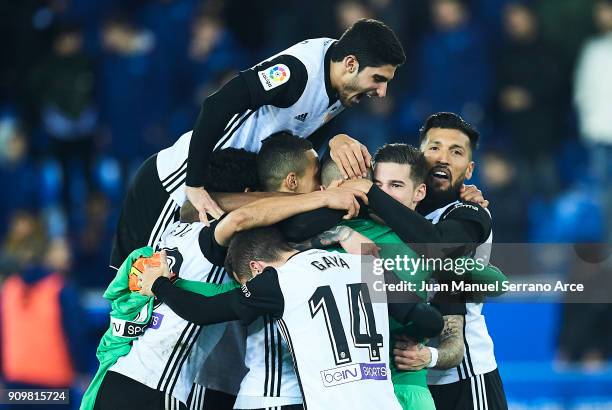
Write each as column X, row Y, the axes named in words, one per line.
column 89, row 90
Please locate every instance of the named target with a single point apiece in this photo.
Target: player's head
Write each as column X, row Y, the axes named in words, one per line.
column 330, row 172
column 228, row 170
column 400, row 170
column 250, row 252
column 231, row 170
column 364, row 60
column 287, row 163
column 448, row 143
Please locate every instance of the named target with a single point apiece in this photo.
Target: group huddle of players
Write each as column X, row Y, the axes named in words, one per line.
column 260, row 296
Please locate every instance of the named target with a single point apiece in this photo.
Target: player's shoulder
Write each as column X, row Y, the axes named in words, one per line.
column 470, row 211
column 321, row 260
column 180, row 231
column 466, row 208
column 280, row 70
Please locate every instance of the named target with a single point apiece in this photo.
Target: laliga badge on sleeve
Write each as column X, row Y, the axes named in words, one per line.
column 274, row 76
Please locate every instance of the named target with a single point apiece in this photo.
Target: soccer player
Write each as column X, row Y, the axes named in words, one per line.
column 464, row 374
column 338, row 339
column 299, row 90
column 399, row 171
column 178, row 347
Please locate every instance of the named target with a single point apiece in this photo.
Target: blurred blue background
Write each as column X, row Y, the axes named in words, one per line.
column 89, row 89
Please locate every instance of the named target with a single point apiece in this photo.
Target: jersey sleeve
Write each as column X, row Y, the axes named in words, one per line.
column 279, row 82
column 216, row 111
column 261, row 295
column 472, row 212
column 204, row 288
column 209, row 246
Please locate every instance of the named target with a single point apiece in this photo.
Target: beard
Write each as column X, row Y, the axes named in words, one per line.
column 349, row 90
column 444, row 194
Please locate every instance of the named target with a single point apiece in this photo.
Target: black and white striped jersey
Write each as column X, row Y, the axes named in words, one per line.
column 479, row 357
column 271, row 380
column 171, row 351
column 288, row 91
column 338, row 339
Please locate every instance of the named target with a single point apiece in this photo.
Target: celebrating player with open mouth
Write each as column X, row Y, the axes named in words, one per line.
column 299, row 90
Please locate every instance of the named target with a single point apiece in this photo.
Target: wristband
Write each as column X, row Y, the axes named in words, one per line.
column 434, row 357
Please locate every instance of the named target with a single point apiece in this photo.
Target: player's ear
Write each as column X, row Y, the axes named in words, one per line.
column 256, row 267
column 291, row 181
column 351, row 64
column 419, row 193
column 470, row 170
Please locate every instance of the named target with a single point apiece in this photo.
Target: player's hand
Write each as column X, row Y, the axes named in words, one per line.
column 358, row 244
column 409, row 355
column 151, row 273
column 202, row 201
column 362, row 185
column 344, row 199
column 471, row 193
column 351, row 156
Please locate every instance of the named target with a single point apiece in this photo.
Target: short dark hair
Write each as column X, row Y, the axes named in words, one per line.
column 263, row 244
column 231, row 170
column 280, row 154
column 451, row 121
column 372, row 42
column 404, row 154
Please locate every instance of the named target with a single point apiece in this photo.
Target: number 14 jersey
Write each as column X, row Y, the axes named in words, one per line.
column 338, row 339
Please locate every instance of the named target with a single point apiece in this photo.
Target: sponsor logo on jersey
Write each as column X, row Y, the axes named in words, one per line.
column 274, row 76
column 156, row 320
column 245, row 291
column 301, row 117
column 353, row 373
column 464, row 205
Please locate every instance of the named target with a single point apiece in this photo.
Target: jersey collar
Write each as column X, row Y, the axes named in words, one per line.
column 432, row 202
column 331, row 93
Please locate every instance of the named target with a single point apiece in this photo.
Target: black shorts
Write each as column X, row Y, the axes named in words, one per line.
column 480, row 392
column 146, row 212
column 119, row 392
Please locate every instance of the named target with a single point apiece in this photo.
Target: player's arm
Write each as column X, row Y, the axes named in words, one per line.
column 269, row 211
column 451, row 347
column 250, row 89
column 448, row 354
column 230, row 201
column 260, row 296
column 304, row 226
column 468, row 226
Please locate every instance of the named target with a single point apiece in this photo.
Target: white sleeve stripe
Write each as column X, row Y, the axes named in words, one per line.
column 162, row 222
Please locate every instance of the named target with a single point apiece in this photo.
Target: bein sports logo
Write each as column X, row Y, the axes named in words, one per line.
column 274, row 76
column 353, row 373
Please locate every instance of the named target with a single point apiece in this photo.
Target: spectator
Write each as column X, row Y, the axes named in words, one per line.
column 124, row 80
column 18, row 172
column 40, row 330
column 210, row 54
column 65, row 87
column 508, row 202
column 453, row 71
column 94, row 241
column 23, row 241
column 528, row 96
column 592, row 95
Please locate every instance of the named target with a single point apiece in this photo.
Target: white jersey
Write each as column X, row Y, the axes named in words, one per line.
column 271, row 380
column 338, row 339
column 171, row 351
column 311, row 110
column 478, row 357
